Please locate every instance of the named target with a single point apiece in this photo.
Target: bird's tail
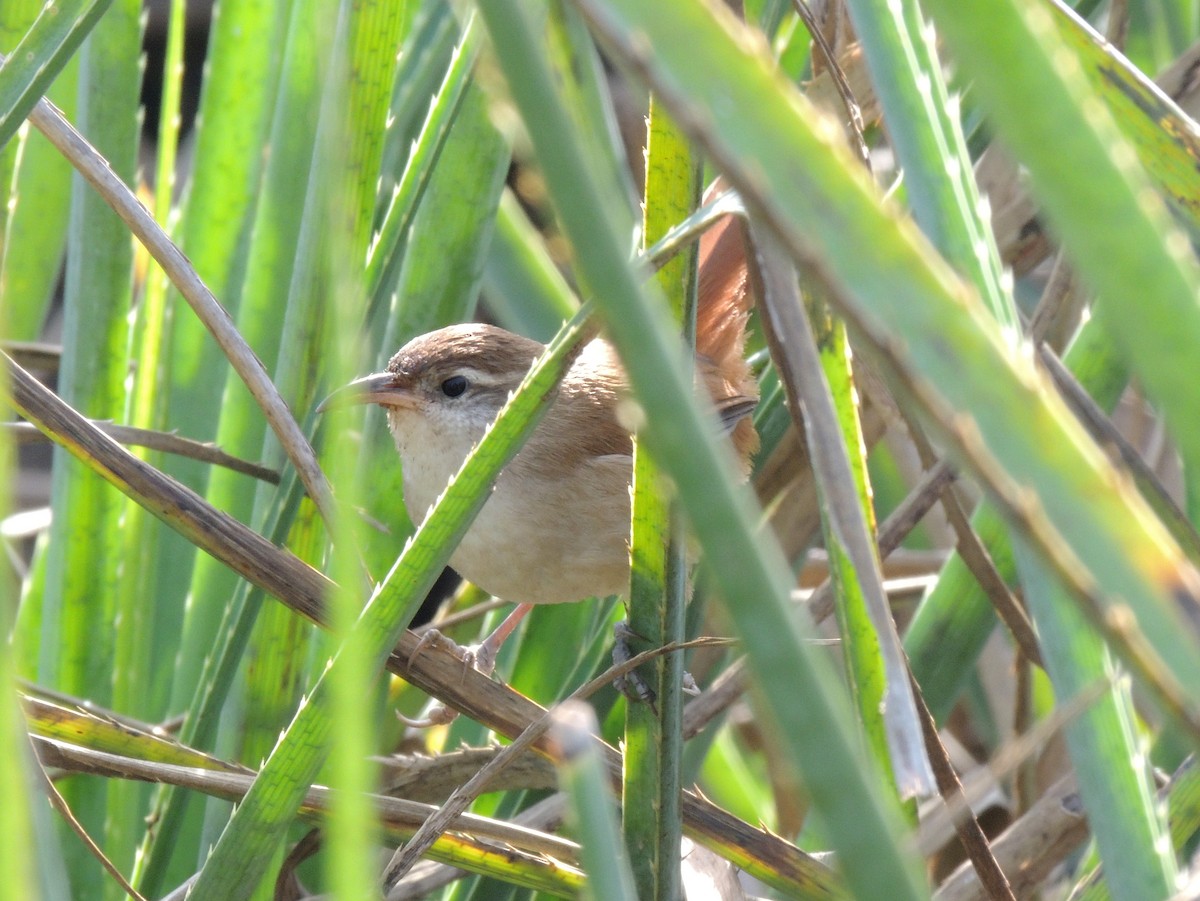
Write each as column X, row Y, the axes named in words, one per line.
column 724, row 298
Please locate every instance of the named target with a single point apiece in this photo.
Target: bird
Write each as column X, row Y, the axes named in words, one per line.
column 555, row 528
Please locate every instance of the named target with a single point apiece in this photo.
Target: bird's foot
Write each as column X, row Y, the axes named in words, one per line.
column 478, row 657
column 438, row 715
column 632, row 684
column 471, row 657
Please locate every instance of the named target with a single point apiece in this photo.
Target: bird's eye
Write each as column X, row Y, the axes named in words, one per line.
column 454, row 386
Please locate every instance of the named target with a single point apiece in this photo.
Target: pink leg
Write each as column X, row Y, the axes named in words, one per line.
column 481, row 658
column 485, row 654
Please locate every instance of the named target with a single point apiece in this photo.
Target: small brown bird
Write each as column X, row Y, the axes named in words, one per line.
column 556, row 526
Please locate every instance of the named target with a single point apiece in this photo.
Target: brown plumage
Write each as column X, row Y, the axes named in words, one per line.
column 556, row 525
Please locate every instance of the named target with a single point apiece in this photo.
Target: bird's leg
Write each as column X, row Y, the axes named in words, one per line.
column 480, row 657
column 483, row 656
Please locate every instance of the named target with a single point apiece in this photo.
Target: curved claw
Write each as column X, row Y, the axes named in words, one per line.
column 439, row 715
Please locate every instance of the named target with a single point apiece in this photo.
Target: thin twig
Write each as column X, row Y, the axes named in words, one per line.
column 719, row 696
column 167, row 442
column 59, row 803
column 287, row 882
column 1101, row 428
column 1025, row 781
column 438, row 822
column 732, row 682
column 1030, row 848
column 1012, row 754
column 1056, row 317
column 977, row 558
column 243, row 550
column 49, row 120
column 845, row 92
column 970, row 833
column 475, row 611
column 397, row 813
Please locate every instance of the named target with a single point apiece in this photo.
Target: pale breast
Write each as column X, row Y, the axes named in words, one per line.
column 536, row 540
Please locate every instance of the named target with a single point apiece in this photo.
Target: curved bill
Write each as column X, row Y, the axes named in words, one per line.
column 378, row 388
